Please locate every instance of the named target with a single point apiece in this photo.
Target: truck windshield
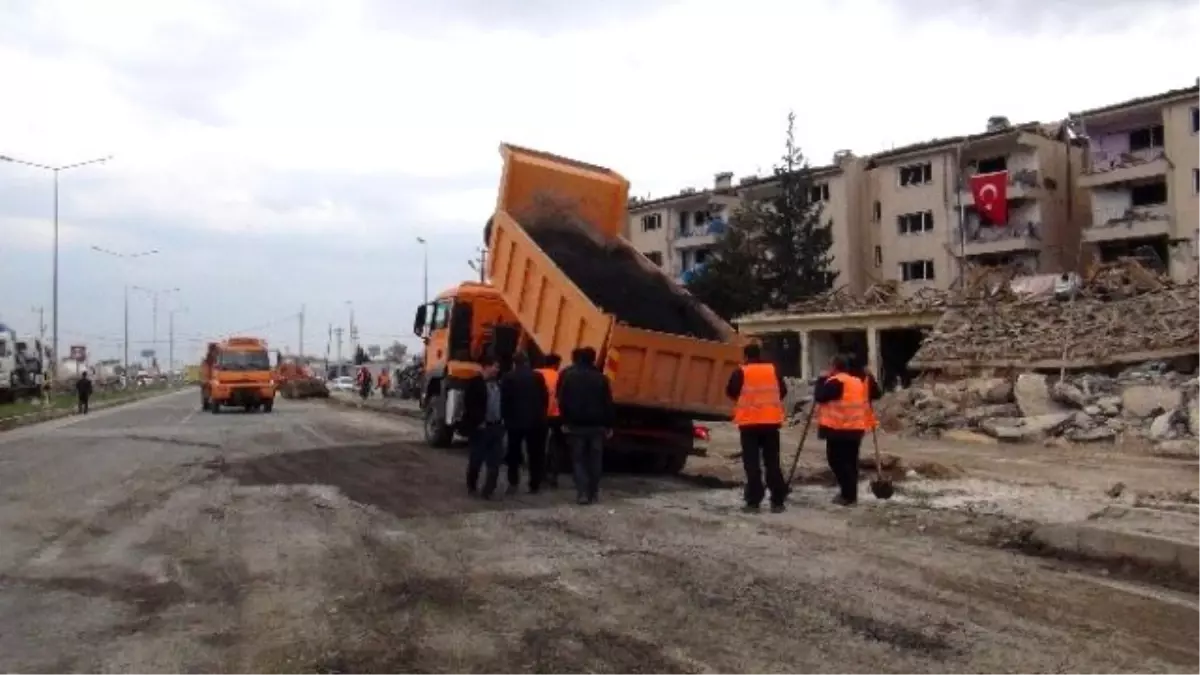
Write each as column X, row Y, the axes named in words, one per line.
column 244, row 360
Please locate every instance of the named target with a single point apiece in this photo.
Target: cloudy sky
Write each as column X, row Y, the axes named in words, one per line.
column 280, row 153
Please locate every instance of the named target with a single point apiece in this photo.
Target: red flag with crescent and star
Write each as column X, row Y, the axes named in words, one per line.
column 990, row 191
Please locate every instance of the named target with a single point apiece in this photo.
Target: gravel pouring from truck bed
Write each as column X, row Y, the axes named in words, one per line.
column 611, row 276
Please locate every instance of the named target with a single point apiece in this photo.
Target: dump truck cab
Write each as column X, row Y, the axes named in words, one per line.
column 237, row 372
column 459, row 327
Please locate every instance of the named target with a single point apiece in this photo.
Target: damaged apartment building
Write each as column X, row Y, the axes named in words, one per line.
column 1142, row 180
column 895, row 218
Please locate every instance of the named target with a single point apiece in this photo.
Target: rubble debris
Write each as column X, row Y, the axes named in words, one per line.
column 1147, row 401
column 610, row 274
column 1118, row 312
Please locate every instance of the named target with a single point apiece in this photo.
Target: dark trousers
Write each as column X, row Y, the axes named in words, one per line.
column 487, row 449
column 529, row 444
column 587, row 455
column 83, row 404
column 760, row 448
column 556, row 451
column 842, row 453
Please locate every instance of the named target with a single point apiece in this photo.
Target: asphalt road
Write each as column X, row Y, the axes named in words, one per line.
column 155, row 537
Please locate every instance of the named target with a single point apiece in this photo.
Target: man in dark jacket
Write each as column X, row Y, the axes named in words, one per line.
column 482, row 414
column 758, row 391
column 523, row 402
column 843, row 430
column 586, row 409
column 83, row 389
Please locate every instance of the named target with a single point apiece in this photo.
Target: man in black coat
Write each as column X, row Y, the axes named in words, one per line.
column 586, row 409
column 524, row 401
column 482, row 414
column 83, row 389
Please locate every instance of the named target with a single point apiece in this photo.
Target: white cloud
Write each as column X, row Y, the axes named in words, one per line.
column 314, row 124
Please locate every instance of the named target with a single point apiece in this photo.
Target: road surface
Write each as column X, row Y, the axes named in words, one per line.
column 157, row 538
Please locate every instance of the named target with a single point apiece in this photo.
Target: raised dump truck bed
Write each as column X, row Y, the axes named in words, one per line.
column 553, row 217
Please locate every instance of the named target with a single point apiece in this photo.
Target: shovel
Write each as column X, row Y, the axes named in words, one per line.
column 800, row 446
column 881, row 487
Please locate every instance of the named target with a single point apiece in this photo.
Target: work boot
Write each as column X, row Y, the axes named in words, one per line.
column 778, row 508
column 842, row 501
column 581, row 499
column 751, row 508
column 511, row 489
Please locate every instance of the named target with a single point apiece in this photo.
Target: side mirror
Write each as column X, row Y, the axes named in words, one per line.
column 419, row 321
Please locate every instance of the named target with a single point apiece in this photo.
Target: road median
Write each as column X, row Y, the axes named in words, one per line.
column 22, row 414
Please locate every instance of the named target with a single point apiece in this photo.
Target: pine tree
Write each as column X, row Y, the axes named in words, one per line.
column 797, row 245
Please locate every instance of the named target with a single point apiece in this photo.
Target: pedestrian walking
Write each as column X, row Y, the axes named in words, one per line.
column 83, row 391
column 758, row 392
column 844, row 415
column 523, row 403
column 482, row 413
column 586, row 409
column 556, row 445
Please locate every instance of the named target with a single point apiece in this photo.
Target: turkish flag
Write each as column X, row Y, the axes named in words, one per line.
column 990, row 191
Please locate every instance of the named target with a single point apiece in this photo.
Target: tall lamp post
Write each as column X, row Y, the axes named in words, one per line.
column 425, row 249
column 124, row 257
column 171, row 338
column 55, row 170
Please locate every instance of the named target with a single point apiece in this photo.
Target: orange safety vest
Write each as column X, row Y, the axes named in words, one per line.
column 759, row 401
column 853, row 411
column 384, row 378
column 550, row 376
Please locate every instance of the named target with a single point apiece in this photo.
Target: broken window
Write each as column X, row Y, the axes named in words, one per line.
column 1195, row 120
column 655, row 257
column 701, row 256
column 819, row 193
column 991, row 165
column 1150, row 194
column 878, row 211
column 684, row 220
column 915, row 223
column 916, row 270
column 1196, row 181
column 652, row 221
column 1144, row 139
column 916, row 174
column 878, row 256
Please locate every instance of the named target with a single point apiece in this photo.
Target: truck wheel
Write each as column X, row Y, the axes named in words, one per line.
column 203, row 403
column 268, row 406
column 674, row 463
column 437, row 433
column 214, row 407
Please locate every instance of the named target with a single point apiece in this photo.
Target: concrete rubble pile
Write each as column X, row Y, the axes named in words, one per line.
column 881, row 295
column 1120, row 311
column 1152, row 401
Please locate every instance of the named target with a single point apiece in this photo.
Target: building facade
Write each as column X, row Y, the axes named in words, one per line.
column 1141, row 180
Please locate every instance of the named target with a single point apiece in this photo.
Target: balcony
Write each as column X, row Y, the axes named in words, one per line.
column 1108, row 168
column 1022, row 184
column 1113, row 222
column 700, row 236
column 1015, row 238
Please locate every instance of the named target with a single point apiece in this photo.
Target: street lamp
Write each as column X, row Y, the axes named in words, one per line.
column 171, row 338
column 55, row 170
column 353, row 331
column 123, row 257
column 425, row 248
column 154, row 293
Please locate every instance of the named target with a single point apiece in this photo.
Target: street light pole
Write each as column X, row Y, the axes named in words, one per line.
column 123, row 257
column 425, row 249
column 154, row 293
column 55, row 170
column 171, row 339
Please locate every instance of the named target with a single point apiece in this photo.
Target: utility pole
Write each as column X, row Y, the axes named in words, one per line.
column 124, row 258
column 301, row 333
column 479, row 263
column 170, row 343
column 338, row 331
column 425, row 249
column 328, row 346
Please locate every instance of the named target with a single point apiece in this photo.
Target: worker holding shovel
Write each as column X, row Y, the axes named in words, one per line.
column 844, row 416
column 758, row 392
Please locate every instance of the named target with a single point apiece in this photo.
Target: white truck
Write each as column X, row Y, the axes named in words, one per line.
column 23, row 363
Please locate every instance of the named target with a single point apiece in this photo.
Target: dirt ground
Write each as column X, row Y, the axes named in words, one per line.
column 156, row 538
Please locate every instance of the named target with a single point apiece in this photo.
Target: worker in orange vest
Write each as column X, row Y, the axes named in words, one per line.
column 844, row 415
column 384, row 382
column 556, row 443
column 758, row 392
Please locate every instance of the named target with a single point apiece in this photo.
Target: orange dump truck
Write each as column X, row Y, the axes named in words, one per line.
column 237, row 373
column 662, row 382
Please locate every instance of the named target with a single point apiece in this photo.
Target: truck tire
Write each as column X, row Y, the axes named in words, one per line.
column 268, row 406
column 214, row 407
column 203, row 403
column 674, row 463
column 437, row 433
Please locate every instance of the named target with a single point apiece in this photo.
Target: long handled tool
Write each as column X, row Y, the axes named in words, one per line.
column 881, row 487
column 800, row 446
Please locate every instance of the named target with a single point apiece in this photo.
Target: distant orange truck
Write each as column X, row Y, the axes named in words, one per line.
column 661, row 382
column 237, row 373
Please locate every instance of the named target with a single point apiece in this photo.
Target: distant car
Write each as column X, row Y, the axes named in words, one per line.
column 343, row 383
